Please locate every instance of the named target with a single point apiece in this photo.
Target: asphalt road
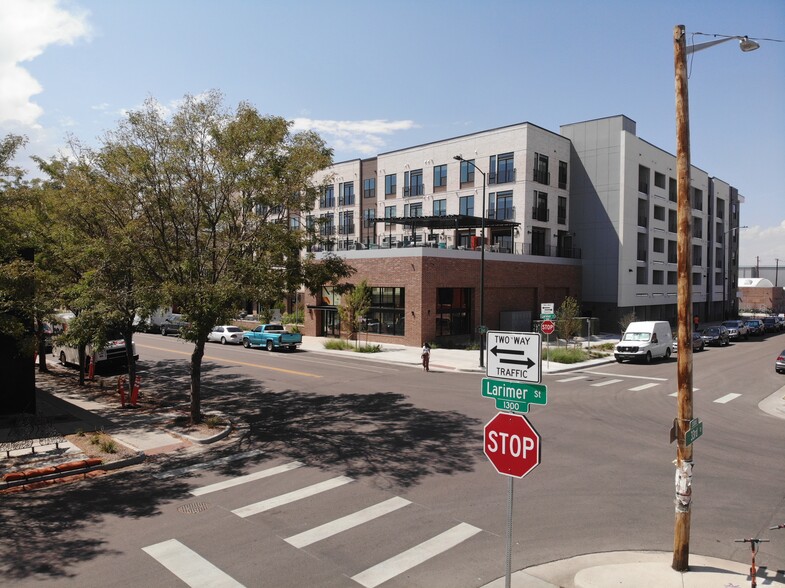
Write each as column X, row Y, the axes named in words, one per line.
column 356, row 434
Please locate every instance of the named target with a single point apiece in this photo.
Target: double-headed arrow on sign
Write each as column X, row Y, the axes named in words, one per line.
column 527, row 362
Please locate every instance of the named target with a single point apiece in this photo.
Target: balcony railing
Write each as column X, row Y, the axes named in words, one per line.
column 414, row 190
column 540, row 213
column 505, row 213
column 346, row 229
column 542, row 176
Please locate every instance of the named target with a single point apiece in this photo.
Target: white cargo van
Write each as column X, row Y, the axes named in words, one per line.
column 644, row 341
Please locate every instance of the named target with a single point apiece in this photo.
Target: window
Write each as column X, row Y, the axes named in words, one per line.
column 440, row 208
column 659, row 180
column 387, row 313
column 453, row 311
column 718, row 279
column 720, row 208
column 389, row 212
column 697, row 199
column 540, row 210
column 390, row 184
column 505, row 171
column 671, row 278
column 466, row 204
column 562, row 211
column 440, row 176
column 414, row 209
column 467, row 171
column 640, row 276
column 643, row 179
column 369, row 216
column 696, row 279
column 346, row 222
column 412, row 183
column 659, row 245
column 643, row 246
column 697, row 255
column 327, row 197
column 538, row 242
column 541, row 174
column 327, row 224
column 659, row 213
column 672, row 252
column 657, row 277
column 563, row 175
column 697, row 227
column 346, row 194
column 672, row 190
column 501, row 207
column 720, row 234
column 672, row 222
column 643, row 212
column 369, row 188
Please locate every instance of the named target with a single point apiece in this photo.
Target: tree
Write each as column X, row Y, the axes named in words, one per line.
column 568, row 325
column 626, row 320
column 213, row 196
column 355, row 304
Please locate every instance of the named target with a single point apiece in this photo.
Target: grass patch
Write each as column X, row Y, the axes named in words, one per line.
column 214, row 422
column 108, row 446
column 370, row 348
column 604, row 346
column 566, row 355
column 338, row 344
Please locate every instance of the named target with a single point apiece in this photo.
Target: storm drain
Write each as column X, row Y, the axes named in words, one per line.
column 193, row 508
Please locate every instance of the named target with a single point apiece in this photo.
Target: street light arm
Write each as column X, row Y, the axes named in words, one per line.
column 745, row 44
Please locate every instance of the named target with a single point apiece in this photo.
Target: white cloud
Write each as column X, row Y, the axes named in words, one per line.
column 27, row 28
column 360, row 136
column 763, row 244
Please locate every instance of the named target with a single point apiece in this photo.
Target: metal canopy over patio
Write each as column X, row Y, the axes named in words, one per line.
column 450, row 221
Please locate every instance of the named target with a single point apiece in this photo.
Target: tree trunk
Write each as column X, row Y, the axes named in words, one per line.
column 82, row 356
column 196, row 381
column 42, row 367
column 129, row 356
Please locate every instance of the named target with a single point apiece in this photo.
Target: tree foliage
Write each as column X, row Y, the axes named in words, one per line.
column 568, row 325
column 355, row 304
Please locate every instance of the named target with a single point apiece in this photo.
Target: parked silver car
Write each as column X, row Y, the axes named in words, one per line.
column 737, row 330
column 226, row 334
column 698, row 344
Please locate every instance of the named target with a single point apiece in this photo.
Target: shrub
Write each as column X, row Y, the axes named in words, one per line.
column 566, row 355
column 338, row 344
column 108, row 446
column 214, row 421
column 368, row 348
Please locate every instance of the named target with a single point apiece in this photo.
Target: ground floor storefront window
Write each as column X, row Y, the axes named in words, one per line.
column 387, row 313
column 453, row 311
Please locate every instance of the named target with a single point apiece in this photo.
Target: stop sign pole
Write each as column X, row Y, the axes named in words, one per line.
column 513, row 447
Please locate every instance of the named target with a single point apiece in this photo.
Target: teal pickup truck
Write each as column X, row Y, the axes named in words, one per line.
column 271, row 337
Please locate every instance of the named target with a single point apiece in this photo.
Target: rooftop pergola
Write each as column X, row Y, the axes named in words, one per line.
column 450, row 221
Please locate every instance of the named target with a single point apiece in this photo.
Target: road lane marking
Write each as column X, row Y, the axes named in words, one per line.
column 606, row 383
column 244, row 363
column 675, row 394
column 270, row 503
column 573, row 379
column 418, row 554
column 287, row 467
column 348, row 522
column 644, row 387
column 189, row 566
column 727, row 398
column 629, row 376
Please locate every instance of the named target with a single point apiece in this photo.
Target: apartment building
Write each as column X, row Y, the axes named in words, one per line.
column 623, row 210
column 588, row 213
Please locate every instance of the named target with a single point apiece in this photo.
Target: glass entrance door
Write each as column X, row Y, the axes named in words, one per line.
column 331, row 325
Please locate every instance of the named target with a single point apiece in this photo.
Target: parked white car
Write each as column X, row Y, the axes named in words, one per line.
column 225, row 334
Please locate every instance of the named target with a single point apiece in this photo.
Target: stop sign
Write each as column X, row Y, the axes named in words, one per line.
column 547, row 327
column 512, row 444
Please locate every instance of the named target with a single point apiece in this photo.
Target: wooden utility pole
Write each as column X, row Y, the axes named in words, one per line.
column 681, row 539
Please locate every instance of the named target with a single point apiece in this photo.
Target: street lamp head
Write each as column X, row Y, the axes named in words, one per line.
column 746, row 44
column 458, row 157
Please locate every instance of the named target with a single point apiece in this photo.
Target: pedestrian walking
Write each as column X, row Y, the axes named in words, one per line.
column 426, row 356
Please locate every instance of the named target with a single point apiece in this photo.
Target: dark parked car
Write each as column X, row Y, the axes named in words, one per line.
column 173, row 324
column 716, row 336
column 755, row 326
column 737, row 330
column 697, row 343
column 770, row 325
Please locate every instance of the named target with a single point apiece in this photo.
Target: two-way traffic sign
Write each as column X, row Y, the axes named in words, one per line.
column 514, row 356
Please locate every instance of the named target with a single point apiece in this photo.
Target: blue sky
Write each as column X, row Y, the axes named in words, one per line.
column 373, row 76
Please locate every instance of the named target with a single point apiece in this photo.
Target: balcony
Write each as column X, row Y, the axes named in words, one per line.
column 346, row 229
column 542, row 176
column 504, row 213
column 540, row 213
column 413, row 190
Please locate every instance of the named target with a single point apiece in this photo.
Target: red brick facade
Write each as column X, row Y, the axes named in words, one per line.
column 511, row 284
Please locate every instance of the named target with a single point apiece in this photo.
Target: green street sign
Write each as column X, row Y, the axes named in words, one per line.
column 695, row 431
column 547, row 316
column 514, row 396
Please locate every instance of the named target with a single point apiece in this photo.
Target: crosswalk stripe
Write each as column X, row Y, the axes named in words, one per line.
column 245, row 479
column 418, row 554
column 643, row 387
column 348, row 522
column 204, row 465
column 727, row 398
column 573, row 379
column 189, row 566
column 606, row 383
column 270, row 503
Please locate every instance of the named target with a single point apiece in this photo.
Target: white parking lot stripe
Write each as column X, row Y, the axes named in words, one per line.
column 257, row 507
column 606, row 383
column 643, row 387
column 189, row 566
column 410, row 558
column 675, row 394
column 573, row 379
column 727, row 398
column 245, row 479
column 348, row 522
